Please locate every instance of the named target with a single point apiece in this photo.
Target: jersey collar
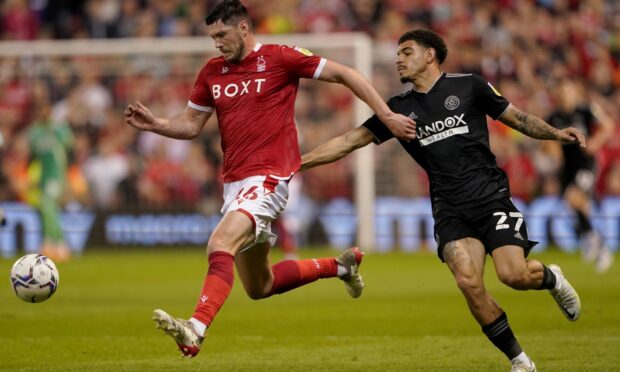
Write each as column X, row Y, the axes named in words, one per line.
column 256, row 48
column 432, row 86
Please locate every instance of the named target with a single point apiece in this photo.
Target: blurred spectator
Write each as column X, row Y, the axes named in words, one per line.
column 523, row 47
column 18, row 21
column 104, row 171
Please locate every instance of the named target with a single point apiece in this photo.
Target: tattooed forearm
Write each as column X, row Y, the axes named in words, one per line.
column 533, row 126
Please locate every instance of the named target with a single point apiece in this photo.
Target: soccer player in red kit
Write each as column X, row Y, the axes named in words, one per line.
column 252, row 89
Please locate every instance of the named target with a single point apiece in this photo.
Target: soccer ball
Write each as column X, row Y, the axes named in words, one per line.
column 34, row 278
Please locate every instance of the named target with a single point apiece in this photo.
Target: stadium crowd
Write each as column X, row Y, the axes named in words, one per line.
column 523, row 47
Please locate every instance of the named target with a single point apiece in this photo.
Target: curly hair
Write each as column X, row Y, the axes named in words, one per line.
column 427, row 39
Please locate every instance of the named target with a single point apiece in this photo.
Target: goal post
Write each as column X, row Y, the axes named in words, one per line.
column 360, row 44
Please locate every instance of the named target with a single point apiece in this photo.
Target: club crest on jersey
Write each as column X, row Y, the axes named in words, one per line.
column 261, row 64
column 452, row 102
column 304, row 51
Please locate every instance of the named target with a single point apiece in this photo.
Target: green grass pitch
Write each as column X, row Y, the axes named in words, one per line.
column 410, row 318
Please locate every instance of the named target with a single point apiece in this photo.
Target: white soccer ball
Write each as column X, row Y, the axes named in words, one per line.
column 34, row 278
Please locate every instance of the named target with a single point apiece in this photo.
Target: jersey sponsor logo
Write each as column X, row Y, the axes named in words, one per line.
column 234, row 89
column 442, row 129
column 304, row 51
column 261, row 64
column 452, row 102
column 494, row 90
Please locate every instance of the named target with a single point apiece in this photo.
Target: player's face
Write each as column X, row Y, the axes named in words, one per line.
column 568, row 95
column 228, row 41
column 410, row 60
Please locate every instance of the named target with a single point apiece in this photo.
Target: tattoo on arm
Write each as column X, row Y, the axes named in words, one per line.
column 532, row 126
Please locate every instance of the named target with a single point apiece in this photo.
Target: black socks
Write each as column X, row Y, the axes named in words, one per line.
column 500, row 334
column 548, row 281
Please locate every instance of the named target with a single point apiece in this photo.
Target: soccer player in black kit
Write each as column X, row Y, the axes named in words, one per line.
column 578, row 173
column 472, row 209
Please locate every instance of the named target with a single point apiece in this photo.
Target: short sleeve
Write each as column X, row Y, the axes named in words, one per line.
column 302, row 63
column 378, row 129
column 487, row 99
column 201, row 98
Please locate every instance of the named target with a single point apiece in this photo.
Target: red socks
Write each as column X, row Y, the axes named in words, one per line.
column 291, row 274
column 287, row 275
column 216, row 288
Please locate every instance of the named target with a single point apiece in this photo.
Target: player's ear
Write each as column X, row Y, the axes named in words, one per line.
column 429, row 54
column 244, row 27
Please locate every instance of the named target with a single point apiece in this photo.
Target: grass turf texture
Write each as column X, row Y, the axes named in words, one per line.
column 410, row 318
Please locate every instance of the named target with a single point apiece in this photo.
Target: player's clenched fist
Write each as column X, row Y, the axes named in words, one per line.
column 401, row 126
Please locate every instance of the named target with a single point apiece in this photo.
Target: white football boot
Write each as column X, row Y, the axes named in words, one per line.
column 518, row 366
column 565, row 295
column 182, row 331
column 351, row 259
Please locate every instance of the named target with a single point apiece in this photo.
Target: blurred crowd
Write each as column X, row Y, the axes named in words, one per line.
column 523, row 47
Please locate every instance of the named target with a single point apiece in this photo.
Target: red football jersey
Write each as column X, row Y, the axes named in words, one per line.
column 255, row 102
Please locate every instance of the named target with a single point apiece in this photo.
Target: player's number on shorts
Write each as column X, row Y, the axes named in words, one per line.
column 249, row 194
column 501, row 223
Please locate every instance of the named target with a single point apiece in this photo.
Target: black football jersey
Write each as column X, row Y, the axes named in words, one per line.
column 452, row 143
column 575, row 157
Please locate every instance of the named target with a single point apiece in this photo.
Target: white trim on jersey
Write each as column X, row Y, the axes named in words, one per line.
column 319, row 69
column 452, row 74
column 376, row 140
column 257, row 46
column 198, row 107
column 503, row 112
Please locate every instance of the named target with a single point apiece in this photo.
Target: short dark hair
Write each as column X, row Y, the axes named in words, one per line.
column 230, row 12
column 427, row 39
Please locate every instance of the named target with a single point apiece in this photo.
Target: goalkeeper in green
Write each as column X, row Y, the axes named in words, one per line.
column 50, row 143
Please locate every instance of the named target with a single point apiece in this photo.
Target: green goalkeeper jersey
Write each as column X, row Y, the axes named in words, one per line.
column 49, row 144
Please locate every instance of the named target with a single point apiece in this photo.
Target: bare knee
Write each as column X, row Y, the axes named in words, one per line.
column 214, row 244
column 218, row 244
column 258, row 293
column 470, row 285
column 517, row 279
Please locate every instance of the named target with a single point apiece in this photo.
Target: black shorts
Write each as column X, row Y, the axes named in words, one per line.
column 496, row 224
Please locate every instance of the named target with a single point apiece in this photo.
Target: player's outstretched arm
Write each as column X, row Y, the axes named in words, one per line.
column 535, row 127
column 401, row 126
column 336, row 148
column 186, row 125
